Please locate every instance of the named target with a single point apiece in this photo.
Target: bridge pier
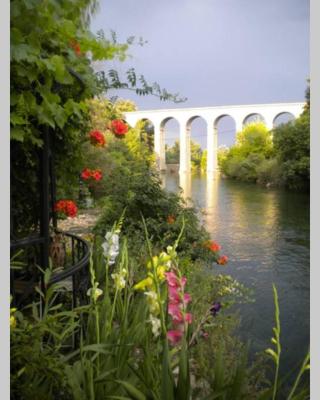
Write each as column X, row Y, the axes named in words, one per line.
column 159, row 146
column 212, row 148
column 185, row 153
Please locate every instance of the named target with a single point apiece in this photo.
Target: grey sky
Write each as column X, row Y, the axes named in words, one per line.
column 215, row 52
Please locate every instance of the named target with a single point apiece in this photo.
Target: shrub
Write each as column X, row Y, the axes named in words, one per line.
column 269, row 171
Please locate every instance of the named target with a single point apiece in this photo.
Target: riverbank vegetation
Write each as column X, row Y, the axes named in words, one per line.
column 280, row 157
column 155, row 319
column 196, row 155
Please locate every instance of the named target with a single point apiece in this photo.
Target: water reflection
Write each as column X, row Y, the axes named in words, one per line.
column 185, row 184
column 212, row 185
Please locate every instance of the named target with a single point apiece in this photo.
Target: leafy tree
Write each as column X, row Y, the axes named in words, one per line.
column 196, row 154
column 52, row 76
column 173, row 154
column 292, row 146
column 254, row 138
column 203, row 162
column 253, row 146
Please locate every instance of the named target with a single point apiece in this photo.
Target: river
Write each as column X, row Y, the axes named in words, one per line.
column 265, row 233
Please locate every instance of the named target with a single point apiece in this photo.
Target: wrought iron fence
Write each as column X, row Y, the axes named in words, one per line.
column 69, row 257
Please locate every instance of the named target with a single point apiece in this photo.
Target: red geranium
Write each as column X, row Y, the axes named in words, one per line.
column 86, row 174
column 118, row 127
column 222, row 260
column 97, row 138
column 213, row 246
column 96, row 174
column 66, row 207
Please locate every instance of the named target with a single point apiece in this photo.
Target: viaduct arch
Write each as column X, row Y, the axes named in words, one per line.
column 211, row 115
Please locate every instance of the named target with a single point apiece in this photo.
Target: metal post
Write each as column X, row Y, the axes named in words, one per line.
column 44, row 204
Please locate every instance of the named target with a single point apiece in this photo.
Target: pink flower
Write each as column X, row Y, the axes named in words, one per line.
column 174, row 336
column 183, row 281
column 174, row 295
column 175, row 311
column 188, row 318
column 186, row 298
column 172, row 279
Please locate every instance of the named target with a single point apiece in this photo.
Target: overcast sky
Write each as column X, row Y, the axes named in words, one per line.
column 214, row 52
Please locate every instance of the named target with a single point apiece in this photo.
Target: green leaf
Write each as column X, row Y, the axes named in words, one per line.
column 167, row 384
column 183, row 386
column 16, row 119
column 61, row 74
column 132, row 391
column 17, row 134
column 23, row 52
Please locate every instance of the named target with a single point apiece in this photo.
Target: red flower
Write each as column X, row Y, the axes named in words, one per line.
column 76, row 47
column 213, row 246
column 118, row 127
column 66, row 207
column 96, row 174
column 97, row 138
column 222, row 260
column 171, row 219
column 86, row 174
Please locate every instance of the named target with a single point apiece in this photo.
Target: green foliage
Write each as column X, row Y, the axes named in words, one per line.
column 292, row 145
column 249, row 159
column 50, row 82
column 196, row 155
column 52, row 75
column 173, row 154
column 36, row 348
column 203, row 162
column 270, row 171
column 254, row 138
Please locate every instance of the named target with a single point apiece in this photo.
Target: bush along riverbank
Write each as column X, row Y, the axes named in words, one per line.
column 157, row 323
column 280, row 157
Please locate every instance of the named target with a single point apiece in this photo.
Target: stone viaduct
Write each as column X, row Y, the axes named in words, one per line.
column 240, row 114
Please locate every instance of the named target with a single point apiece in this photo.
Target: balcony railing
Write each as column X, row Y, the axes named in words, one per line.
column 70, row 257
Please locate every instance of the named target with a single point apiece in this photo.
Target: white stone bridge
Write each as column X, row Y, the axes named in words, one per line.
column 240, row 114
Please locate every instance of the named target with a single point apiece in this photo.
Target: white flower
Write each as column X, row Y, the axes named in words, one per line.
column 111, row 247
column 95, row 293
column 119, row 280
column 156, row 325
column 153, row 302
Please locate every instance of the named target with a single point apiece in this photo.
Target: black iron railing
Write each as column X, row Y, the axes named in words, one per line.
column 72, row 268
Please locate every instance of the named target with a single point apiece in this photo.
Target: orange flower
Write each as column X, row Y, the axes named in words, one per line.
column 171, row 219
column 222, row 260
